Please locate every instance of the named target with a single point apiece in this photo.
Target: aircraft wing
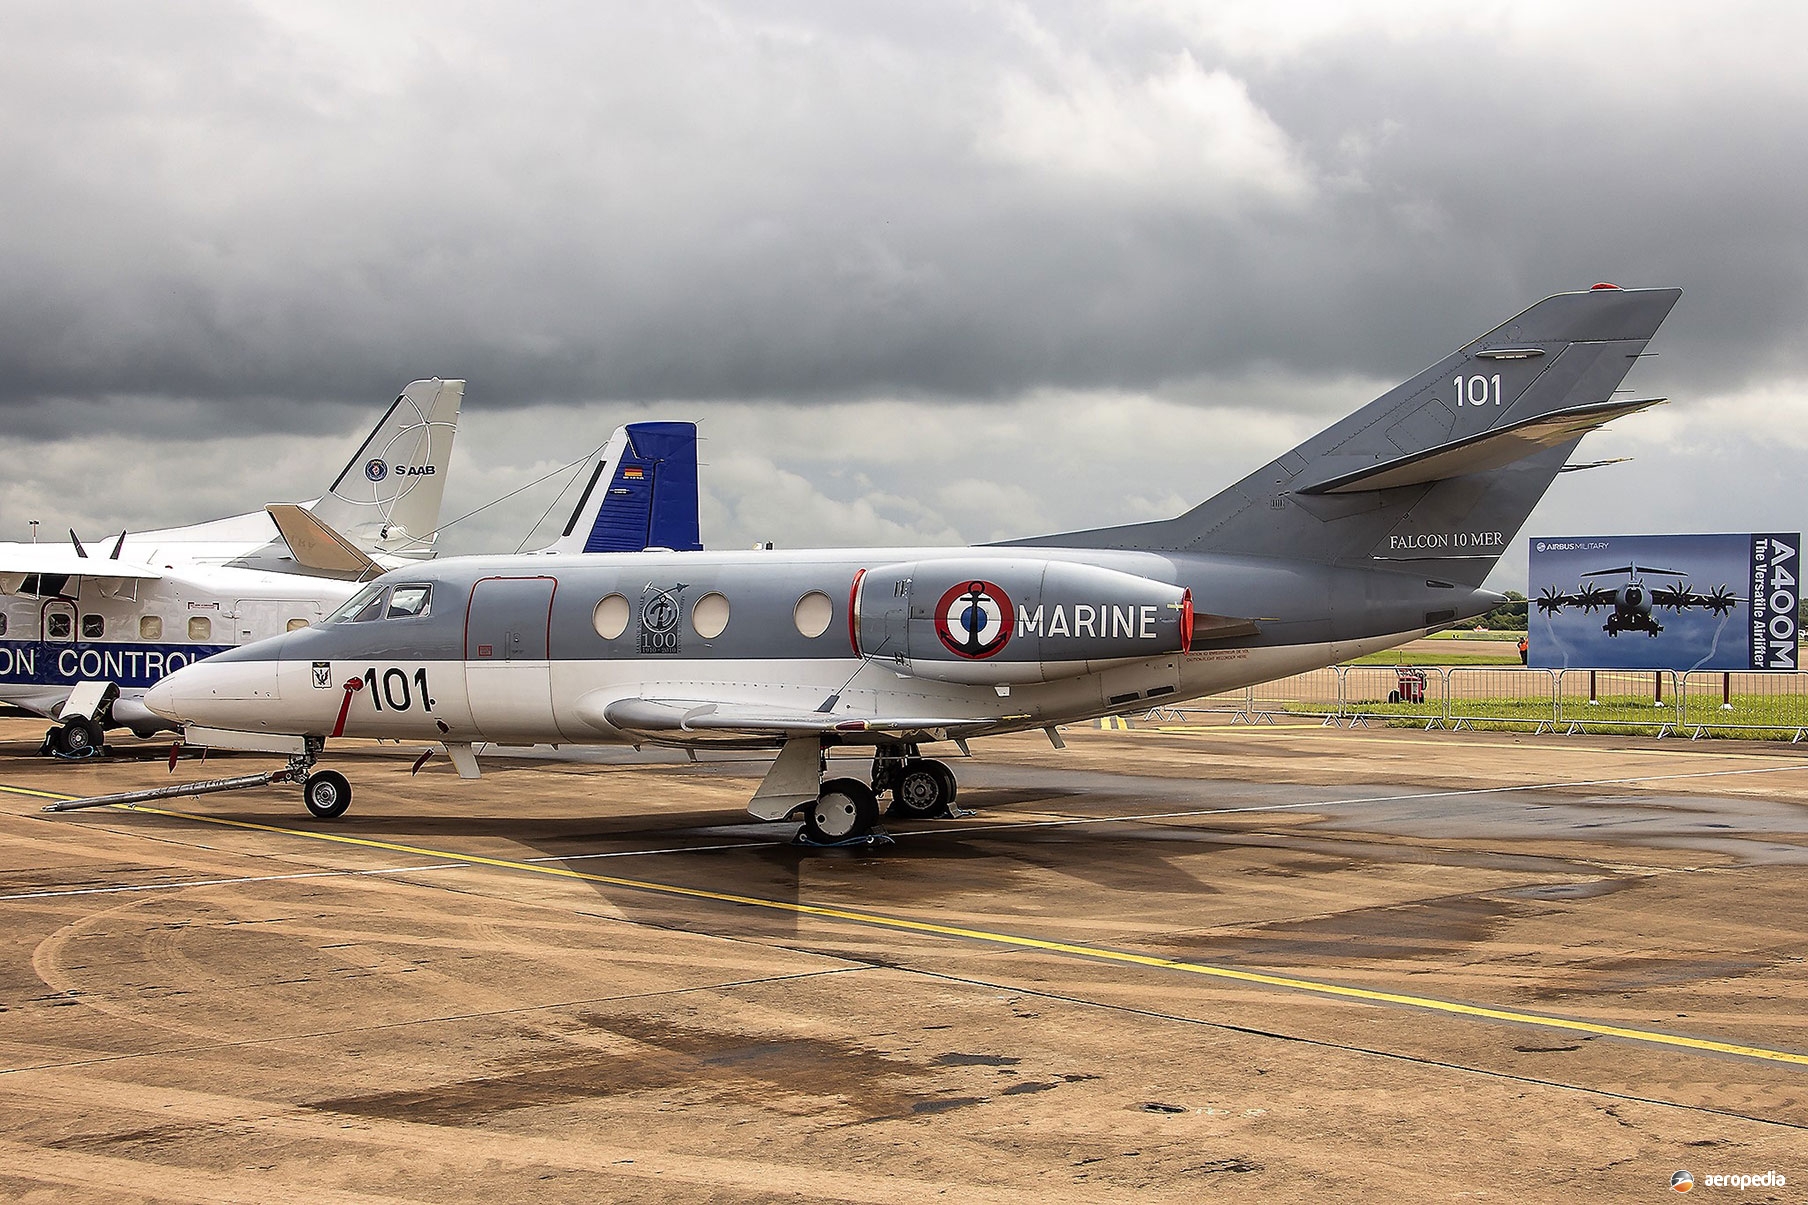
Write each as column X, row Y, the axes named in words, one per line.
column 694, row 720
column 19, row 561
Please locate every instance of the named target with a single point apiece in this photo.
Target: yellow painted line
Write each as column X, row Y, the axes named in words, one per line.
column 1010, row 940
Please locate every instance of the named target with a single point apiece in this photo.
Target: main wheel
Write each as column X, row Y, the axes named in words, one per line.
column 327, row 794
column 923, row 789
column 845, row 808
column 77, row 736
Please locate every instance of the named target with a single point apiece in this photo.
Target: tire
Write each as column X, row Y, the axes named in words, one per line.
column 951, row 787
column 918, row 792
column 327, row 794
column 77, row 736
column 845, row 809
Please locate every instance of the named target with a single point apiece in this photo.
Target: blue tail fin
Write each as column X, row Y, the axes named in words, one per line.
column 642, row 493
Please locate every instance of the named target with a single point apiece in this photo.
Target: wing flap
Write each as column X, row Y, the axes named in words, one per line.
column 688, row 720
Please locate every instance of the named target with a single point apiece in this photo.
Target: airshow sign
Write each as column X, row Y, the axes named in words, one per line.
column 1682, row 602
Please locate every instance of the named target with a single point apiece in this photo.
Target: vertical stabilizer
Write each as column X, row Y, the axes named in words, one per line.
column 641, row 493
column 387, row 498
column 1439, row 473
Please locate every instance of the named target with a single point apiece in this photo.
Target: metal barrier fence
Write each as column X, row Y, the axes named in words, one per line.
column 1649, row 702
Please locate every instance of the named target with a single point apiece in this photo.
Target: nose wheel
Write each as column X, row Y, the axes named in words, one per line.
column 327, row 794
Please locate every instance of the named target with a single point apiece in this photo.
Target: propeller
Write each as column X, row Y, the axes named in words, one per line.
column 1592, row 598
column 1676, row 597
column 1720, row 601
column 1551, row 601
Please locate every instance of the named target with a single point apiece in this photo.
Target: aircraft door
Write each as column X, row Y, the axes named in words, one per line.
column 508, row 666
column 58, row 621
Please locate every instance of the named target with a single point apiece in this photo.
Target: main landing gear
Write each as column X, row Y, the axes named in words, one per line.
column 846, row 810
column 75, row 738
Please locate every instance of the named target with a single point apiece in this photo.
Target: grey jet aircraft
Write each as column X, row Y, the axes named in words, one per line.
column 1371, row 533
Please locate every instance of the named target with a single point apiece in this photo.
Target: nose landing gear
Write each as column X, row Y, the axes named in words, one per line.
column 327, row 794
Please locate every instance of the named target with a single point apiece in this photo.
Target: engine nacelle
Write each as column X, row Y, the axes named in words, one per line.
column 1014, row 620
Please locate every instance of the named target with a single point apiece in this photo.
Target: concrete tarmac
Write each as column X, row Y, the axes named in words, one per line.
column 1294, row 962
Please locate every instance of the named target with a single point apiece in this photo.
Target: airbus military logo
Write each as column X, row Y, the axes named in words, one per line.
column 323, row 675
column 660, row 610
column 974, row 620
column 376, row 470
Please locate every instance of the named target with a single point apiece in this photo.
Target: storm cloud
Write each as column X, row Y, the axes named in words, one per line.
column 931, row 271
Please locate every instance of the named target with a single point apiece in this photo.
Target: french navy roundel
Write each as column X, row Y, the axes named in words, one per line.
column 974, row 619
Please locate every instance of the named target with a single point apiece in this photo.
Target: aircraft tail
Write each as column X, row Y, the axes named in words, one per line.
column 641, row 494
column 387, row 497
column 1438, row 473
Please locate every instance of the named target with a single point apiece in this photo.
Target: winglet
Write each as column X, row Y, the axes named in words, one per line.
column 317, row 547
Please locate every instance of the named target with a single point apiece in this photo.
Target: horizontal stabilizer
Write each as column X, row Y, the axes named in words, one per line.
column 317, row 547
column 1481, row 453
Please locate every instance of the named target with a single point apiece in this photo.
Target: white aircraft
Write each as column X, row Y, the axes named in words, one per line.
column 82, row 642
column 84, row 632
column 1371, row 533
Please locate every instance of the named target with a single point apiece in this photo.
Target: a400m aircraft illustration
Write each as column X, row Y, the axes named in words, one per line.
column 1371, row 533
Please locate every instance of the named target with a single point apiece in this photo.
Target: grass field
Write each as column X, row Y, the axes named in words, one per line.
column 1751, row 717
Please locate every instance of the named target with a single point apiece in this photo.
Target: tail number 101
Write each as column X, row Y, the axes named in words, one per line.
column 395, row 689
column 1478, row 390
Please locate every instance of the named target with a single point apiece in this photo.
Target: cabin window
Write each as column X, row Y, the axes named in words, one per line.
column 358, row 606
column 610, row 619
column 150, row 627
column 813, row 614
column 2, row 623
column 410, row 602
column 709, row 615
column 295, row 625
column 94, row 627
column 200, row 627
column 57, row 625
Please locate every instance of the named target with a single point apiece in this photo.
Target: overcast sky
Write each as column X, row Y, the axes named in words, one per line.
column 925, row 272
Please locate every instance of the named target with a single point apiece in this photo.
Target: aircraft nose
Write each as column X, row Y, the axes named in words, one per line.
column 161, row 699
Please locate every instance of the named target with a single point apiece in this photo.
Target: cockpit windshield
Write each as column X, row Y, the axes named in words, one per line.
column 365, row 604
column 408, row 601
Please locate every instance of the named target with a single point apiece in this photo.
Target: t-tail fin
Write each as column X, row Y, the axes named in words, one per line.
column 1441, row 471
column 387, row 497
column 642, row 493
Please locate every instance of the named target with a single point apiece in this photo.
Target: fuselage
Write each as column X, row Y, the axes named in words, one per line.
column 134, row 633
column 520, row 650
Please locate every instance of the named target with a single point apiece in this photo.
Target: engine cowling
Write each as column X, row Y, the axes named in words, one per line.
column 1013, row 620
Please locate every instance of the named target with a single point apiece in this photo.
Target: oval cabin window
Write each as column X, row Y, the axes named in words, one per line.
column 610, row 619
column 200, row 628
column 295, row 625
column 94, row 627
column 150, row 627
column 710, row 615
column 813, row 614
